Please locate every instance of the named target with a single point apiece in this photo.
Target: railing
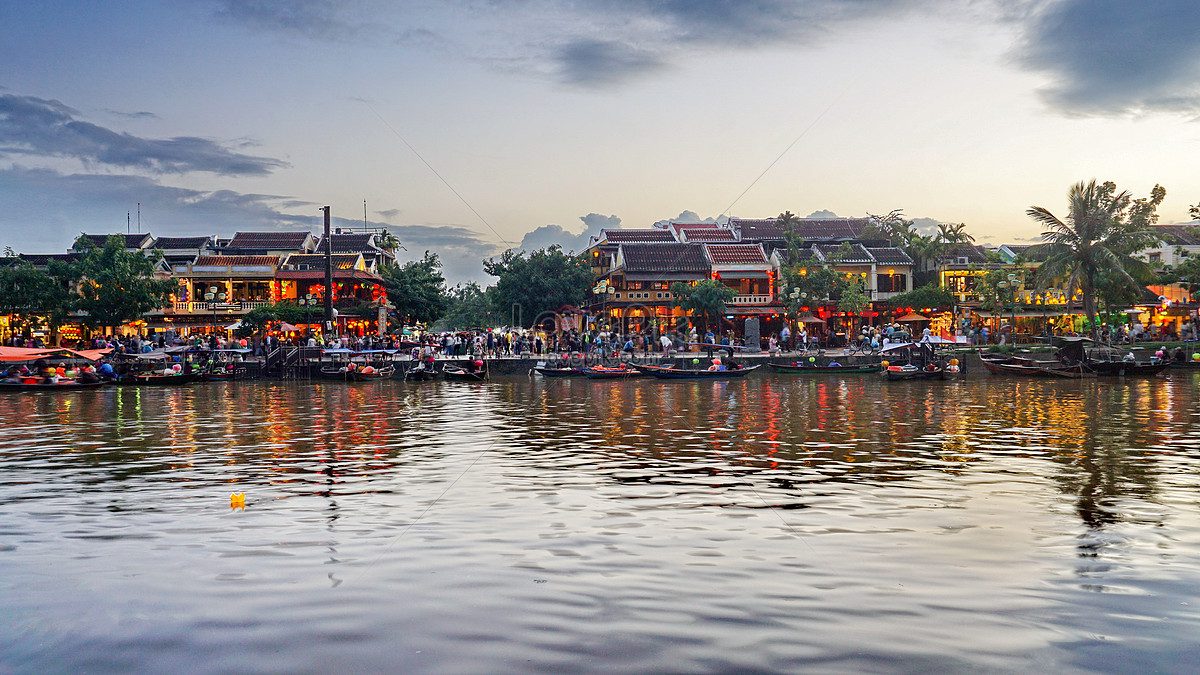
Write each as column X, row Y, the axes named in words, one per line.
column 206, row 307
column 751, row 300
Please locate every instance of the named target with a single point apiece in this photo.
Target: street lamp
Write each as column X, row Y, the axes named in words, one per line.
column 307, row 302
column 213, row 297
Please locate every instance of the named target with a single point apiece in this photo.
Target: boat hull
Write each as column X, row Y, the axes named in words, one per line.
column 682, row 374
column 45, row 386
column 823, row 370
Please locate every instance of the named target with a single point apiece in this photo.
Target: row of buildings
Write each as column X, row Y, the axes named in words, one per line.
column 634, row 268
column 220, row 280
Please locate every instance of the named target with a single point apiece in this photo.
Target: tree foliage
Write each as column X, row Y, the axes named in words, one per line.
column 1093, row 249
column 468, row 307
column 929, row 295
column 39, row 297
column 706, row 299
column 117, row 285
column 541, row 282
column 417, row 289
column 259, row 319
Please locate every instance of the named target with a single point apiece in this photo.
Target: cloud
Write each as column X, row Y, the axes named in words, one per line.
column 549, row 235
column 47, row 128
column 461, row 250
column 1117, row 56
column 318, row 19
column 595, row 62
column 691, row 217
column 45, row 210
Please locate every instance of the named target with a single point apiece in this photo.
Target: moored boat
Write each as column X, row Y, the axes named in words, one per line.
column 1107, row 361
column 814, row 369
column 605, row 373
column 999, row 364
column 457, row 373
column 564, row 371
column 688, row 374
column 67, row 385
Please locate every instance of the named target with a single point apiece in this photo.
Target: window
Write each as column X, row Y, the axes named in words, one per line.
column 1156, row 257
column 895, row 283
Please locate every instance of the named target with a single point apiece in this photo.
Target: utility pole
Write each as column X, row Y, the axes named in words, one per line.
column 328, row 276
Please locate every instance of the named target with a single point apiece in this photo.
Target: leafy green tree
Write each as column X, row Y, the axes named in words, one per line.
column 541, row 282
column 1188, row 274
column 117, row 285
column 853, row 297
column 929, row 295
column 259, row 319
column 1102, row 232
column 38, row 297
column 417, row 289
column 706, row 299
column 469, row 307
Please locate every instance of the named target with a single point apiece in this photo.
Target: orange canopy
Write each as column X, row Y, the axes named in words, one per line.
column 23, row 353
column 33, row 354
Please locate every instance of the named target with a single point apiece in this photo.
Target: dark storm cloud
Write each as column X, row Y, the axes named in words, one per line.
column 47, row 128
column 1117, row 56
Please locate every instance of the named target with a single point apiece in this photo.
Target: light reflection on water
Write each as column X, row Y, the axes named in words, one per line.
column 766, row 524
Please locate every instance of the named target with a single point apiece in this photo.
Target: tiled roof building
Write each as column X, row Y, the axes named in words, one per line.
column 662, row 258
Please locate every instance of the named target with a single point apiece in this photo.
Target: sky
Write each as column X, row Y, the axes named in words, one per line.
column 468, row 127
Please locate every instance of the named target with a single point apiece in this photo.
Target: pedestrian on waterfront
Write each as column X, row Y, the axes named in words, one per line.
column 803, row 338
column 665, row 341
column 785, row 336
column 710, row 342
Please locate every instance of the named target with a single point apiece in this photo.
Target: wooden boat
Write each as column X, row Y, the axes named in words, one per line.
column 687, row 374
column 418, row 374
column 919, row 361
column 155, row 379
column 46, row 386
column 560, row 372
column 813, row 369
column 606, row 373
column 456, row 373
column 1116, row 362
column 929, row 371
column 357, row 374
column 998, row 364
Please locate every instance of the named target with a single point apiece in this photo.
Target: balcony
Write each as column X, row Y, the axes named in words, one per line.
column 208, row 307
column 751, row 300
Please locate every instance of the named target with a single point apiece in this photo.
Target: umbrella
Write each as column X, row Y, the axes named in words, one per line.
column 287, row 327
column 234, row 326
column 811, row 319
column 912, row 316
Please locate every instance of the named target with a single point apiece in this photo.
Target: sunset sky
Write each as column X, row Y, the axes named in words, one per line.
column 471, row 126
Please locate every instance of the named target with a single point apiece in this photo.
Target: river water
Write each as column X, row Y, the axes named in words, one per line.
column 773, row 524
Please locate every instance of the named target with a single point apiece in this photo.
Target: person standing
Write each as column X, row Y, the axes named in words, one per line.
column 785, row 336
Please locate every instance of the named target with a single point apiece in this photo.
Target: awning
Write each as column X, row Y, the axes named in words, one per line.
column 286, row 327
column 912, row 316
column 234, row 326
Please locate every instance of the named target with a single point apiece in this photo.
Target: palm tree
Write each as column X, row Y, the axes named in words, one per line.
column 1094, row 239
column 954, row 233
